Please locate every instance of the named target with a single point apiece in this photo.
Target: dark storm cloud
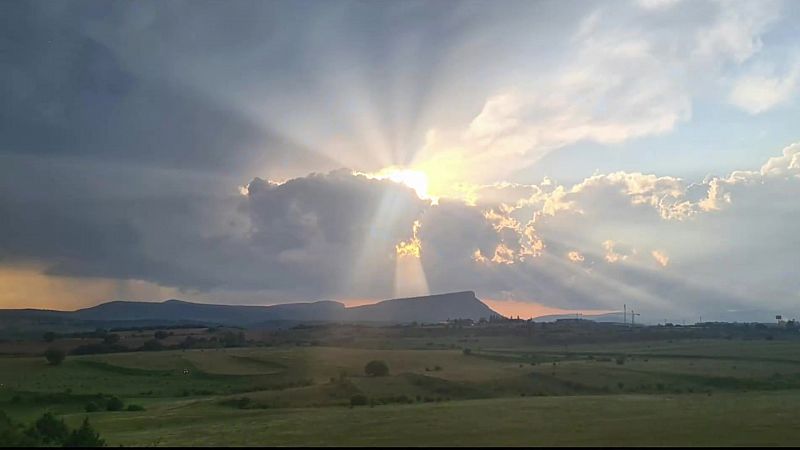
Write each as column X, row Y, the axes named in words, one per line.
column 65, row 93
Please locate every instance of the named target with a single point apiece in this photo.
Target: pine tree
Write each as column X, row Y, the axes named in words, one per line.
column 85, row 436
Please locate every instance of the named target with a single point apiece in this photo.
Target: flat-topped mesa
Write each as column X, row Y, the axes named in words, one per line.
column 429, row 308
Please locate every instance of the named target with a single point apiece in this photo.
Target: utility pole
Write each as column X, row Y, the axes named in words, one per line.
column 624, row 314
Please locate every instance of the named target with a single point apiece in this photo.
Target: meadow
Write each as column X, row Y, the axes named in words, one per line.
column 497, row 391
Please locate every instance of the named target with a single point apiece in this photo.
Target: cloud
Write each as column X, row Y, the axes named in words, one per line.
column 647, row 240
column 126, row 133
column 760, row 92
column 628, row 73
column 661, row 258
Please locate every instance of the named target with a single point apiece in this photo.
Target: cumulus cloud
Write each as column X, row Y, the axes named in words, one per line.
column 629, row 74
column 652, row 241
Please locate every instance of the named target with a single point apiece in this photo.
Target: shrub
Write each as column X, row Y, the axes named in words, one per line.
column 467, row 351
column 92, row 407
column 620, row 360
column 114, row 404
column 359, row 400
column 376, row 369
column 135, row 408
column 11, row 435
column 50, row 430
column 55, row 356
column 85, row 436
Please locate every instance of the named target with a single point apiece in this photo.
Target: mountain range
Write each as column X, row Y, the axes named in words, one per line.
column 427, row 309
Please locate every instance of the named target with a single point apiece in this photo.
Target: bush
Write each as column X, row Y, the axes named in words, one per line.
column 135, row 408
column 467, row 351
column 92, row 407
column 55, row 356
column 85, row 436
column 359, row 400
column 376, row 369
column 114, row 404
column 49, row 429
column 620, row 360
column 11, row 435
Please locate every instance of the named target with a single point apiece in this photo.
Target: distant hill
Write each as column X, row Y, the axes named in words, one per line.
column 431, row 308
column 427, row 309
column 178, row 310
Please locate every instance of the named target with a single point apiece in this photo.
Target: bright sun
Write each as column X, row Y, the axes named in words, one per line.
column 415, row 179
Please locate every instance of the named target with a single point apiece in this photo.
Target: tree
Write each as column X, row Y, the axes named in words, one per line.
column 55, row 356
column 161, row 334
column 376, row 369
column 50, row 430
column 231, row 339
column 85, row 436
column 114, row 404
column 92, row 407
column 11, row 435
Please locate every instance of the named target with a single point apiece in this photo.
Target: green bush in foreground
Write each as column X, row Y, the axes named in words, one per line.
column 47, row 431
column 85, row 436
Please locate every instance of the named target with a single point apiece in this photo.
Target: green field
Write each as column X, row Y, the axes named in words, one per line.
column 701, row 392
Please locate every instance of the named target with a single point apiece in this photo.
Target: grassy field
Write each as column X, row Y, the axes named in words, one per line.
column 728, row 419
column 702, row 392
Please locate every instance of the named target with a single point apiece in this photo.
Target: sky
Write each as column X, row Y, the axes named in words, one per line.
column 552, row 156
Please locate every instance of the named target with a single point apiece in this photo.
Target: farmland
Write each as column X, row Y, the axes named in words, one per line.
column 483, row 390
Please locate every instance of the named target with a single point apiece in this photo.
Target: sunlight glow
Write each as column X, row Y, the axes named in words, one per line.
column 415, row 179
column 413, row 246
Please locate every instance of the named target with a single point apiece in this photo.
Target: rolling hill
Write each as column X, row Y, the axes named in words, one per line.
column 427, row 309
